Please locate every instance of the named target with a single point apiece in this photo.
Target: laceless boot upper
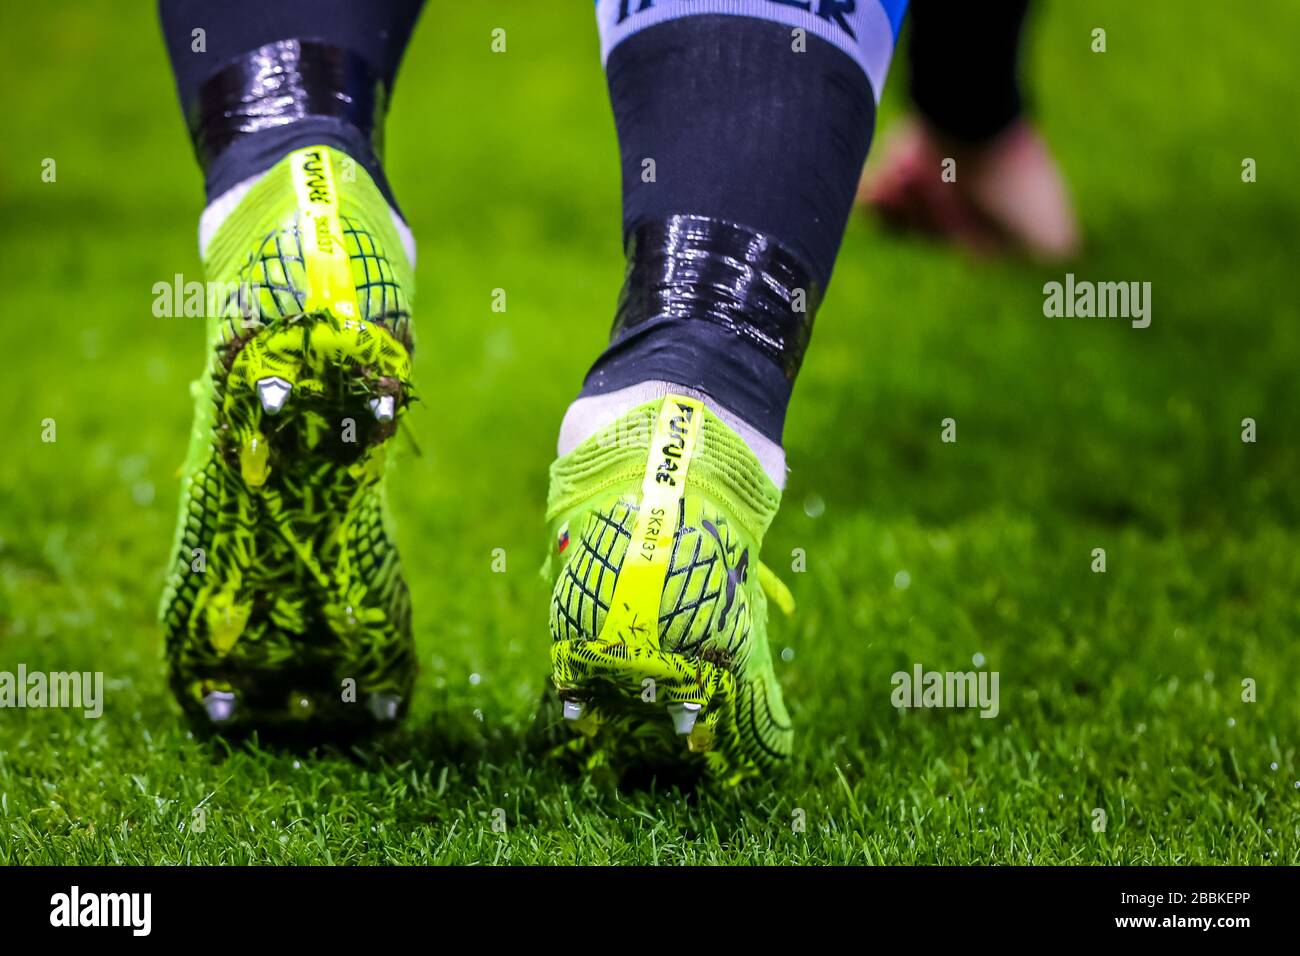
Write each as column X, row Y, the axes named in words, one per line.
column 285, row 599
column 697, row 628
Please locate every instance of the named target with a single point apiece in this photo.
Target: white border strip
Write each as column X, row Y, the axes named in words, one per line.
column 871, row 44
column 220, row 208
column 587, row 416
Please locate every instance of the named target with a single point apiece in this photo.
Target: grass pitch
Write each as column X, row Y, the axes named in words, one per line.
column 1121, row 692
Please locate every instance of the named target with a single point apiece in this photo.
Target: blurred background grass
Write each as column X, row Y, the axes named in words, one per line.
column 1120, row 691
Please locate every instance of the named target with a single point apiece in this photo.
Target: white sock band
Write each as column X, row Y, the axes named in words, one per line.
column 586, row 416
column 220, row 208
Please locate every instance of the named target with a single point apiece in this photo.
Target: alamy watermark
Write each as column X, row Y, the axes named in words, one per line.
column 626, row 429
column 959, row 689
column 82, row 690
column 133, row 911
column 180, row 299
column 1103, row 300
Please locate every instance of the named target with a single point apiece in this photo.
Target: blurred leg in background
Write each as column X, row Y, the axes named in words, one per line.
column 968, row 105
column 742, row 130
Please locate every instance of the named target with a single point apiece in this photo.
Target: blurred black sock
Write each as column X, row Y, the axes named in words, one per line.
column 258, row 79
column 965, row 66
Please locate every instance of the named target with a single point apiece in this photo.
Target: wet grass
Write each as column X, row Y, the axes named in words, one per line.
column 1120, row 692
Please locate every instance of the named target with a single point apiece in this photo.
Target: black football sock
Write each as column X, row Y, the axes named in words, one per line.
column 260, row 79
column 743, row 126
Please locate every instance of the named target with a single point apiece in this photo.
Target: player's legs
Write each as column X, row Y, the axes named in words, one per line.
column 742, row 128
column 285, row 605
column 1005, row 189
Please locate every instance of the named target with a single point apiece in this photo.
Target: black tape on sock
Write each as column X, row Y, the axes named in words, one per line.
column 690, row 268
column 283, row 83
column 716, row 306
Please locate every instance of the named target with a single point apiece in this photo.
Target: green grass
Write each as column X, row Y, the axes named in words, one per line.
column 1119, row 691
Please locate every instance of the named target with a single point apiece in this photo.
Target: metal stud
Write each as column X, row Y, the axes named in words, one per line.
column 220, row 705
column 384, row 707
column 683, row 716
column 573, row 710
column 273, row 393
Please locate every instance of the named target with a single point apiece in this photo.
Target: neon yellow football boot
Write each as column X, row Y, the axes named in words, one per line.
column 659, row 608
column 285, row 605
